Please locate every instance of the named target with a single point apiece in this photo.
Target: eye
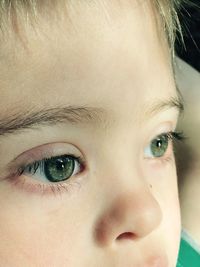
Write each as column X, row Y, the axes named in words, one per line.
column 55, row 169
column 159, row 146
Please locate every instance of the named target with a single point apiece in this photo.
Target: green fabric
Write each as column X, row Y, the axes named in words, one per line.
column 188, row 255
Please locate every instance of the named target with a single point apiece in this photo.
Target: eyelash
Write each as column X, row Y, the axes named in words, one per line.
column 34, row 166
column 59, row 187
column 179, row 136
column 174, row 136
column 45, row 188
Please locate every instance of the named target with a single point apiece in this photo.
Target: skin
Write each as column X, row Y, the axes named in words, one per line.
column 123, row 209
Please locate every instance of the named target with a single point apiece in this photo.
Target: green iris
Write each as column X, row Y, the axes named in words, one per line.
column 59, row 168
column 159, row 146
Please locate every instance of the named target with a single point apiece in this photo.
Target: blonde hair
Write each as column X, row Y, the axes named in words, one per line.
column 167, row 9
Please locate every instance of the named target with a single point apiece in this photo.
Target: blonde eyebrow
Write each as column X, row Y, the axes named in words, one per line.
column 161, row 105
column 52, row 116
column 75, row 115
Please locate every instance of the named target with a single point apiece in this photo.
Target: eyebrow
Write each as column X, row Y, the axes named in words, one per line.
column 76, row 115
column 159, row 106
column 51, row 116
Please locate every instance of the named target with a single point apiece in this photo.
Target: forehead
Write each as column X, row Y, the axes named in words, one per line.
column 103, row 53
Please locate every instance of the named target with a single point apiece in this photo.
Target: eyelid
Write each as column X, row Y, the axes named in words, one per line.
column 29, row 184
column 34, row 186
column 44, row 151
column 33, row 168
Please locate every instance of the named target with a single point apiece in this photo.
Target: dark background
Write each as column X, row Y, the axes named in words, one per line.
column 189, row 17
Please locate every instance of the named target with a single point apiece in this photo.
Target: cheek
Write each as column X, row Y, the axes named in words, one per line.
column 163, row 179
column 39, row 232
column 40, row 242
column 172, row 223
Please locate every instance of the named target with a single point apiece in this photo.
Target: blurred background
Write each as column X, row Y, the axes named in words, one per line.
column 189, row 17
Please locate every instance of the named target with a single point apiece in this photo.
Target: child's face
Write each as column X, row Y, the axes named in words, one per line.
column 120, row 207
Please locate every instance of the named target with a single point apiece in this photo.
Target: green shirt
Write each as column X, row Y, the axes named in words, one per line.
column 189, row 252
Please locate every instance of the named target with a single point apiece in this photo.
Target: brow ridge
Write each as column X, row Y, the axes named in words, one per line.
column 173, row 102
column 74, row 115
column 51, row 116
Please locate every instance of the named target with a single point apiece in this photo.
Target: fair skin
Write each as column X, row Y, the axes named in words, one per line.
column 122, row 208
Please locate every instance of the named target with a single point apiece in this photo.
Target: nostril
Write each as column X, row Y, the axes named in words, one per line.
column 126, row 235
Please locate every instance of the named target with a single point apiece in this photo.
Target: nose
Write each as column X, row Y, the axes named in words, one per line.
column 130, row 216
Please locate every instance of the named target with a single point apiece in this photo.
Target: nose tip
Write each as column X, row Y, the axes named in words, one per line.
column 129, row 217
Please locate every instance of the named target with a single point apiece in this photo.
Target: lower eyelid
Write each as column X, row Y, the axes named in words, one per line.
column 14, row 176
column 24, row 185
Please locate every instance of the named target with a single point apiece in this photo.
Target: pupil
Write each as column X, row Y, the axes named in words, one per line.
column 159, row 143
column 60, row 165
